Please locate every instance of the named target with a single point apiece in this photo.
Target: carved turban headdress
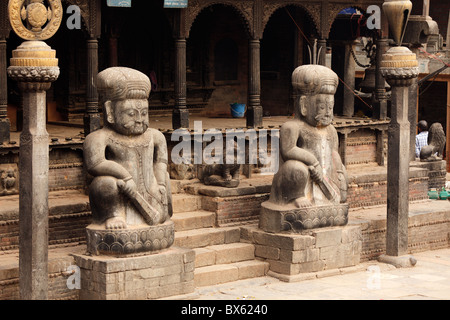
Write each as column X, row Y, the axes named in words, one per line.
column 314, row 79
column 120, row 83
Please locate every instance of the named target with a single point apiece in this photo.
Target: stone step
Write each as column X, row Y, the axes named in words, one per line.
column 204, row 237
column 193, row 220
column 224, row 253
column 222, row 273
column 185, row 202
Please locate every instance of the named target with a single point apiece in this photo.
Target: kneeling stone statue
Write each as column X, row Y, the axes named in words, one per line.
column 310, row 188
column 130, row 194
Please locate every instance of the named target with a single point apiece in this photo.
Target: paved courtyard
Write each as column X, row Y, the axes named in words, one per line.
column 429, row 279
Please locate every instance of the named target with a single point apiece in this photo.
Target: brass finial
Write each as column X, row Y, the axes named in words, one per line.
column 397, row 13
column 42, row 22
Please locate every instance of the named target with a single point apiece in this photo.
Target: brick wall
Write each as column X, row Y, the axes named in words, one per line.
column 57, row 279
column 361, row 147
column 64, row 227
column 366, row 191
column 425, row 232
column 235, row 209
column 66, row 176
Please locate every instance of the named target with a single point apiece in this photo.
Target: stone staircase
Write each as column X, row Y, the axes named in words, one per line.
column 220, row 256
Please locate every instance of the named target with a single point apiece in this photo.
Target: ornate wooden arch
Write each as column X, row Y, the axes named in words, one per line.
column 313, row 10
column 243, row 8
column 90, row 15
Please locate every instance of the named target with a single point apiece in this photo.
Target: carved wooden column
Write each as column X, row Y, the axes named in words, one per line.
column 349, row 79
column 180, row 116
column 93, row 20
column 92, row 116
column 380, row 103
column 180, row 113
column 254, row 108
column 4, row 32
column 4, row 121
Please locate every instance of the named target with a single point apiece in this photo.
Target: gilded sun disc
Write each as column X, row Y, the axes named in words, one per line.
column 37, row 16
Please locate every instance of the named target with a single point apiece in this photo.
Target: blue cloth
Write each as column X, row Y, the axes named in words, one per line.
column 421, row 140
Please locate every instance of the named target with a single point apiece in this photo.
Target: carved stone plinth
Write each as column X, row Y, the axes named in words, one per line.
column 131, row 240
column 154, row 276
column 278, row 219
column 299, row 256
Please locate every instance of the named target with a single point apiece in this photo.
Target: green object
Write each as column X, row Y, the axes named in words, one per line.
column 443, row 195
column 433, row 194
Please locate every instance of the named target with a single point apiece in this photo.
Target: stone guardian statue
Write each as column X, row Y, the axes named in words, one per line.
column 130, row 194
column 310, row 188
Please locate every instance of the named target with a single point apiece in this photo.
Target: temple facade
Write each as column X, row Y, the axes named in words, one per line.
column 200, row 58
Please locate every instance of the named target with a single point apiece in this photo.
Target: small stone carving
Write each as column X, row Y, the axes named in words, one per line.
column 130, row 192
column 224, row 174
column 310, row 188
column 436, row 143
column 8, row 179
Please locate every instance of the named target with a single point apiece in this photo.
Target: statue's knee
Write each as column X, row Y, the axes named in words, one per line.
column 105, row 187
column 295, row 171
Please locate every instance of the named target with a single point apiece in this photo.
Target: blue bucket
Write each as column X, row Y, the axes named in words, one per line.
column 237, row 110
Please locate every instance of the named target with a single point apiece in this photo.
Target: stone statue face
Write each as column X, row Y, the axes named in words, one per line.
column 317, row 109
column 130, row 116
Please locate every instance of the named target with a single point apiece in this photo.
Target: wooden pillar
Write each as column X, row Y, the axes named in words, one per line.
column 254, row 108
column 4, row 121
column 381, row 100
column 113, row 54
column 180, row 116
column 92, row 116
column 349, row 79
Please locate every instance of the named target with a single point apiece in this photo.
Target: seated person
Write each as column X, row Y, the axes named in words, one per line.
column 421, row 137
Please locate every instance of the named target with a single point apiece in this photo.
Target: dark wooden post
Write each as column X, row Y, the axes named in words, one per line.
column 380, row 103
column 4, row 121
column 4, row 32
column 254, row 109
column 180, row 116
column 92, row 116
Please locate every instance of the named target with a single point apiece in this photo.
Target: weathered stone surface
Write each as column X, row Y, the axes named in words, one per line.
column 169, row 272
column 128, row 162
column 311, row 172
column 278, row 219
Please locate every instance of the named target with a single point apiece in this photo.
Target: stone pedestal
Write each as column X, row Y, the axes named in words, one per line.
column 274, row 218
column 293, row 257
column 437, row 172
column 166, row 273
